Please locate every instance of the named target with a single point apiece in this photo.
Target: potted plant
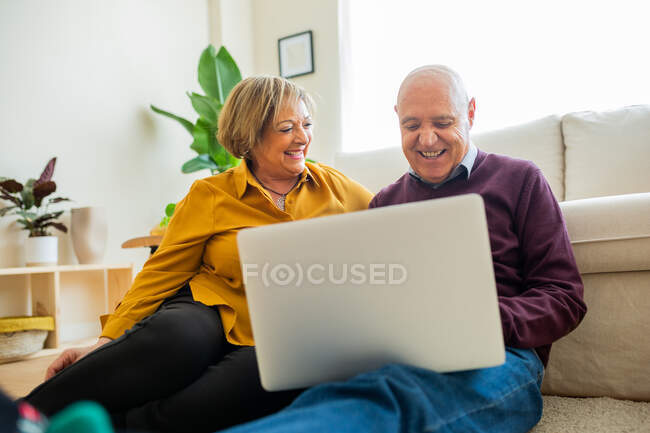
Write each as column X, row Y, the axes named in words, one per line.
column 217, row 75
column 28, row 203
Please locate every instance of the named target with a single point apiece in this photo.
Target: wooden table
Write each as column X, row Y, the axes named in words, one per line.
column 144, row 241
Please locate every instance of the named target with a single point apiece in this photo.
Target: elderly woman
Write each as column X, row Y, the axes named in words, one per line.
column 177, row 354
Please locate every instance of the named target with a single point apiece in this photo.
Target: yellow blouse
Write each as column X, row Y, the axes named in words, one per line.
column 200, row 243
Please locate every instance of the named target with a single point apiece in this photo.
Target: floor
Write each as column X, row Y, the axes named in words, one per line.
column 561, row 415
column 18, row 378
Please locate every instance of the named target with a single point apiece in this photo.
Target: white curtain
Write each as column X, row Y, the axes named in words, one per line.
column 521, row 60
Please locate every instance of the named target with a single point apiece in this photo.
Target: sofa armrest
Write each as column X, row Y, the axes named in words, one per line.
column 610, row 234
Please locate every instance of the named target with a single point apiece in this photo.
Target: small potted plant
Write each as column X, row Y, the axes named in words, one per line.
column 28, row 203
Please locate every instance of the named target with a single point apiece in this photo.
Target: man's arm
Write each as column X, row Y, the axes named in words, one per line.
column 551, row 304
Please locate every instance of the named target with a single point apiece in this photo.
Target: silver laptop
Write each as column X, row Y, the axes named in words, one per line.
column 335, row 296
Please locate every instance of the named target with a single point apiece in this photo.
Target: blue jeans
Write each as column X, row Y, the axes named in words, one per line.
column 399, row 398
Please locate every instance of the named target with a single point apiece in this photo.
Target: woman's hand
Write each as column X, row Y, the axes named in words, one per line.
column 70, row 356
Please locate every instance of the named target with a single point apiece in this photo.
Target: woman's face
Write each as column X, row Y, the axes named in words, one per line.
column 282, row 151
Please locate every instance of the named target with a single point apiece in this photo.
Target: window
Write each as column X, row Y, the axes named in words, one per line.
column 520, row 60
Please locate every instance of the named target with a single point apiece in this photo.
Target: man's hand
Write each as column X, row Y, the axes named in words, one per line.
column 70, row 356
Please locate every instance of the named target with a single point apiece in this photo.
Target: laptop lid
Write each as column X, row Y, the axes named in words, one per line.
column 334, row 296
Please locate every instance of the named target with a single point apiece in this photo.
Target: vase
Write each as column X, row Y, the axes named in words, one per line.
column 88, row 230
column 41, row 250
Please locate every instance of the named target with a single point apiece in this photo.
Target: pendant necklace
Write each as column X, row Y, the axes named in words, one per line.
column 280, row 201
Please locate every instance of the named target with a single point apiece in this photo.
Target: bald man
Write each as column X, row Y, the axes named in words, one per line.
column 538, row 283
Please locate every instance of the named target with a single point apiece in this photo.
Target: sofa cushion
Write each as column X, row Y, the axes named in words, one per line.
column 610, row 234
column 608, row 354
column 539, row 141
column 375, row 169
column 607, row 153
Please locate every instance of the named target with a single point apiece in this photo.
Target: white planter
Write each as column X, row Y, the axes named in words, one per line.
column 88, row 230
column 41, row 250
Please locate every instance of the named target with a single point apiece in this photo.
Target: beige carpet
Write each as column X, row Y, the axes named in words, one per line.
column 593, row 415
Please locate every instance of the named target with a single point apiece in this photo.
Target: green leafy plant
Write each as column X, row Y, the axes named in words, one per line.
column 27, row 200
column 217, row 74
column 169, row 211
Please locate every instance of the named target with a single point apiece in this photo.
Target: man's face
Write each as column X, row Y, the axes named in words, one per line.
column 435, row 132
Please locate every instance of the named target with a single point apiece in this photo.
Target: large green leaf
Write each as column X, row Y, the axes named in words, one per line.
column 208, row 72
column 221, row 157
column 207, row 107
column 228, row 74
column 201, row 162
column 186, row 123
column 201, row 136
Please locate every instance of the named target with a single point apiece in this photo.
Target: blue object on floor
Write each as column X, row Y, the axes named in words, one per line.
column 81, row 417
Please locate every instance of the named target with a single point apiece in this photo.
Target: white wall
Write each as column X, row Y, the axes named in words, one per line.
column 231, row 25
column 273, row 20
column 76, row 81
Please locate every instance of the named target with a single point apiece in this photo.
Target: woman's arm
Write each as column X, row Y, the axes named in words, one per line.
column 70, row 356
column 176, row 261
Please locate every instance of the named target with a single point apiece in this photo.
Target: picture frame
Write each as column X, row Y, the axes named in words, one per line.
column 296, row 54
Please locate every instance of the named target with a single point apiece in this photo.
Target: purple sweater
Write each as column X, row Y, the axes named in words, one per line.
column 538, row 283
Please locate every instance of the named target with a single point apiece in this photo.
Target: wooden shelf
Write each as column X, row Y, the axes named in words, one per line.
column 94, row 289
column 59, row 268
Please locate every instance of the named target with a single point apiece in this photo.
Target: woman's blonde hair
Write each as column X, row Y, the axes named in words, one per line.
column 252, row 103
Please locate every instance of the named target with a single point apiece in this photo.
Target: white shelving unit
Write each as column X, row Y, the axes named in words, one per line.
column 93, row 290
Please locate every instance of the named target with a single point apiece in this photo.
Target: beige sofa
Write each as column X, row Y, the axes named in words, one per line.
column 598, row 166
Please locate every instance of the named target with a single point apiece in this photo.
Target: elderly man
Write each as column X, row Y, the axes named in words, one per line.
column 539, row 287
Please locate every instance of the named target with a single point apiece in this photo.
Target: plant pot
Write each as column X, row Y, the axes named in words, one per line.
column 41, row 250
column 88, row 230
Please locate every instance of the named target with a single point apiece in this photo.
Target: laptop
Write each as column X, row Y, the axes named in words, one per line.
column 335, row 296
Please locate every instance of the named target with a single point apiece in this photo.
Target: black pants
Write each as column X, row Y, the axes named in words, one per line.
column 172, row 372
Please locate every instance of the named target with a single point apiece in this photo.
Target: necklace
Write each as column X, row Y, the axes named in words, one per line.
column 280, row 201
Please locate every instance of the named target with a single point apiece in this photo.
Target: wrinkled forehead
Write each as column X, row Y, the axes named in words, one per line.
column 446, row 87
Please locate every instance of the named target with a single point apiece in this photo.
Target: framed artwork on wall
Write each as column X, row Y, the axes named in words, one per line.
column 296, row 55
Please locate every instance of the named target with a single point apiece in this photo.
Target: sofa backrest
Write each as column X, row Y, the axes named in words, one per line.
column 607, row 153
column 583, row 154
column 374, row 169
column 539, row 141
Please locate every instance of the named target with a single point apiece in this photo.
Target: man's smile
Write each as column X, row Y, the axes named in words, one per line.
column 432, row 155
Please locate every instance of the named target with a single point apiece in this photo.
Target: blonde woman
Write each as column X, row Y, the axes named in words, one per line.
column 178, row 353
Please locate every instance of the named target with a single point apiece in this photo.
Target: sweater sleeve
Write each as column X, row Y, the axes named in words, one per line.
column 551, row 302
column 177, row 260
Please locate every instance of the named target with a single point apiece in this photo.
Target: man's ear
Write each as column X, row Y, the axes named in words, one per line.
column 471, row 109
column 395, row 107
